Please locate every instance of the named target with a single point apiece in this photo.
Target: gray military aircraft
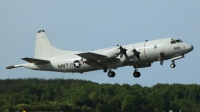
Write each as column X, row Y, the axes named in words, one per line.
column 139, row 55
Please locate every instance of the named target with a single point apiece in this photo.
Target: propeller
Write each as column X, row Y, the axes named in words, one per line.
column 123, row 52
column 136, row 53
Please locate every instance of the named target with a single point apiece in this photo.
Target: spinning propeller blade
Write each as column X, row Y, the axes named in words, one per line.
column 136, row 53
column 123, row 52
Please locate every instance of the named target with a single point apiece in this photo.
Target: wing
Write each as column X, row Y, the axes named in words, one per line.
column 92, row 56
column 36, row 61
column 96, row 60
column 92, row 59
column 94, row 64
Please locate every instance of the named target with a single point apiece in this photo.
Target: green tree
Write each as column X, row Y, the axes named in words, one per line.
column 129, row 104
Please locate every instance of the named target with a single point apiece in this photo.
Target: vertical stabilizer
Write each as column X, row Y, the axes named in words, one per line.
column 44, row 49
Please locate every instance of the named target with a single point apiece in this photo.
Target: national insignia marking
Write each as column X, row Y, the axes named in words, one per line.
column 77, row 64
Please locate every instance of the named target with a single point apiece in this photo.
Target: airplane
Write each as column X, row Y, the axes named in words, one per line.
column 139, row 55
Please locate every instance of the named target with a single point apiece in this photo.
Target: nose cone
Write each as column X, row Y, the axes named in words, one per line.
column 190, row 47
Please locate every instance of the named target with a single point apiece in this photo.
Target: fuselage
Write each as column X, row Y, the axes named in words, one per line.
column 150, row 51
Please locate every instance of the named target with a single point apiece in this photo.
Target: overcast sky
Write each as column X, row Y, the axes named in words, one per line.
column 91, row 24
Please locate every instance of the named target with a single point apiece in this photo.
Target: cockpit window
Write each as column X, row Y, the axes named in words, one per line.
column 173, row 42
column 179, row 41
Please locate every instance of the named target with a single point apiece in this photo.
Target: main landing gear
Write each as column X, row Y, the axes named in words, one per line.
column 136, row 74
column 173, row 65
column 111, row 74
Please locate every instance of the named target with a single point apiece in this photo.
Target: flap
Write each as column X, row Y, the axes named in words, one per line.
column 92, row 56
column 36, row 61
column 93, row 64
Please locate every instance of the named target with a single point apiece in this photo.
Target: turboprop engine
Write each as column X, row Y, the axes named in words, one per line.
column 115, row 52
column 130, row 54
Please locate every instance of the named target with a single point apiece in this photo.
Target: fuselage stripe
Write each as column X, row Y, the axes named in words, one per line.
column 145, row 51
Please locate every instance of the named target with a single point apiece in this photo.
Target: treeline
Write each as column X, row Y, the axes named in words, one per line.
column 86, row 96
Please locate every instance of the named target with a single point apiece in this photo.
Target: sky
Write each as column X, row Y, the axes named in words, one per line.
column 94, row 24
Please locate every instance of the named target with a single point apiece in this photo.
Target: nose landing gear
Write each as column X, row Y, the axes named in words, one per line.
column 173, row 65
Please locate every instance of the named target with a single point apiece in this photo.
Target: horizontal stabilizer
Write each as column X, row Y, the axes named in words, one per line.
column 92, row 56
column 36, row 61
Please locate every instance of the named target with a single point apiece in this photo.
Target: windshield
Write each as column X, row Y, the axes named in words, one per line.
column 173, row 42
column 179, row 41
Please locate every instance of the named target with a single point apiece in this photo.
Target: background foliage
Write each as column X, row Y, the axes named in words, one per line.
column 86, row 96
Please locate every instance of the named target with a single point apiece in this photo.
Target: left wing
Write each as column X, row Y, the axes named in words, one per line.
column 93, row 59
column 97, row 60
column 94, row 64
column 92, row 56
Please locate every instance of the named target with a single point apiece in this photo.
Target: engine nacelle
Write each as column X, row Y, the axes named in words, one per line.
column 112, row 52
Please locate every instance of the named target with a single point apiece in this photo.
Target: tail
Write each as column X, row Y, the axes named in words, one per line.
column 44, row 49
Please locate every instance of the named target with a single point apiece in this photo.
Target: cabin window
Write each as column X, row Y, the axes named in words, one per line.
column 173, row 42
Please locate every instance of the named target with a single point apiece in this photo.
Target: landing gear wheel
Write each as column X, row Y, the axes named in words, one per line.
column 172, row 65
column 111, row 74
column 136, row 74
